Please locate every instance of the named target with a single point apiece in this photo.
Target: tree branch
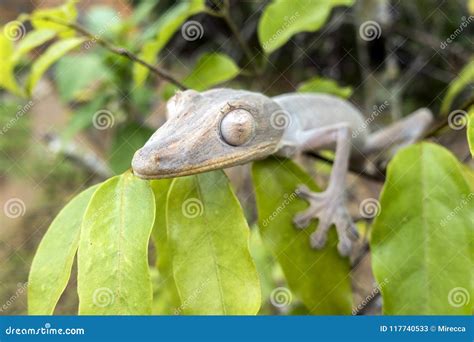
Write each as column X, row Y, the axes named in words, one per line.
column 165, row 75
column 353, row 168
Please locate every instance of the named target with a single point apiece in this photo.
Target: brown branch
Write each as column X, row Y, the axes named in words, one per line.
column 440, row 124
column 117, row 50
column 364, row 308
column 380, row 177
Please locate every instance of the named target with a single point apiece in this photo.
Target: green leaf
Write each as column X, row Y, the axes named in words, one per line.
column 128, row 139
column 470, row 130
column 7, row 65
column 32, row 40
column 113, row 272
column 166, row 301
column 422, row 241
column 265, row 263
column 63, row 13
column 51, row 266
column 320, row 278
column 324, row 85
column 168, row 24
column 211, row 69
column 282, row 19
column 51, row 55
column 209, row 239
column 464, row 80
column 103, row 20
column 74, row 74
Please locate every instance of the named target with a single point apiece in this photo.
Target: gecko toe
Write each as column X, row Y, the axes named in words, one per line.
column 303, row 219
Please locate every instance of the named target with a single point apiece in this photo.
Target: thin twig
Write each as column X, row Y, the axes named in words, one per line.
column 85, row 158
column 444, row 121
column 225, row 15
column 371, row 176
column 118, row 50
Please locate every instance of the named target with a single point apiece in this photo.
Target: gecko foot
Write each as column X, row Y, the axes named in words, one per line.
column 329, row 208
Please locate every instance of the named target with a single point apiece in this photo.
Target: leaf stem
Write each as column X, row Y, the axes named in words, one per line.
column 165, row 75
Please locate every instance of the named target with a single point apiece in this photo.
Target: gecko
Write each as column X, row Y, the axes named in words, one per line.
column 224, row 127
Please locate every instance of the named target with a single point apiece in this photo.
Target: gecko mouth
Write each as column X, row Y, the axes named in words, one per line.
column 172, row 174
column 144, row 170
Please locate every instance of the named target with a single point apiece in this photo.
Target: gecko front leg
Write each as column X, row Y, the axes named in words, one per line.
column 329, row 206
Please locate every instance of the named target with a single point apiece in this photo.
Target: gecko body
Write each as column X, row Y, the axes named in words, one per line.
column 224, row 127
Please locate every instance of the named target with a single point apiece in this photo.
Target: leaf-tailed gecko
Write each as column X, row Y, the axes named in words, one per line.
column 224, row 127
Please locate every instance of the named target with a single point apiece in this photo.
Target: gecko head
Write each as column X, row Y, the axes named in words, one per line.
column 207, row 131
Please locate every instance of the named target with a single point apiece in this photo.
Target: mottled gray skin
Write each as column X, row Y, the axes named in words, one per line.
column 221, row 128
column 190, row 141
column 310, row 111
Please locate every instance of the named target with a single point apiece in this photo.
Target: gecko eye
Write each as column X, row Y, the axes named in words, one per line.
column 237, row 127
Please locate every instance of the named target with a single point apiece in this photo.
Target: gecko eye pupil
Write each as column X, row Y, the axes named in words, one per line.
column 237, row 127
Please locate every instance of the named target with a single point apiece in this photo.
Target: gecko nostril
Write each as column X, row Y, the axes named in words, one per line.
column 156, row 159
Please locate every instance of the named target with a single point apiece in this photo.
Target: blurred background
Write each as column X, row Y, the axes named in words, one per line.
column 86, row 116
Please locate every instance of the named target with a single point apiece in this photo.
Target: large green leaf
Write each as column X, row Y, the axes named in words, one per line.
column 74, row 74
column 166, row 300
column 464, row 80
column 51, row 266
column 128, row 139
column 209, row 239
column 211, row 69
column 422, row 241
column 32, row 40
column 470, row 130
column 324, row 85
column 113, row 272
column 321, row 278
column 168, row 24
column 282, row 19
column 51, row 55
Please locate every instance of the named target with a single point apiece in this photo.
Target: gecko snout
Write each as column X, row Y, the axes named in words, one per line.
column 145, row 163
